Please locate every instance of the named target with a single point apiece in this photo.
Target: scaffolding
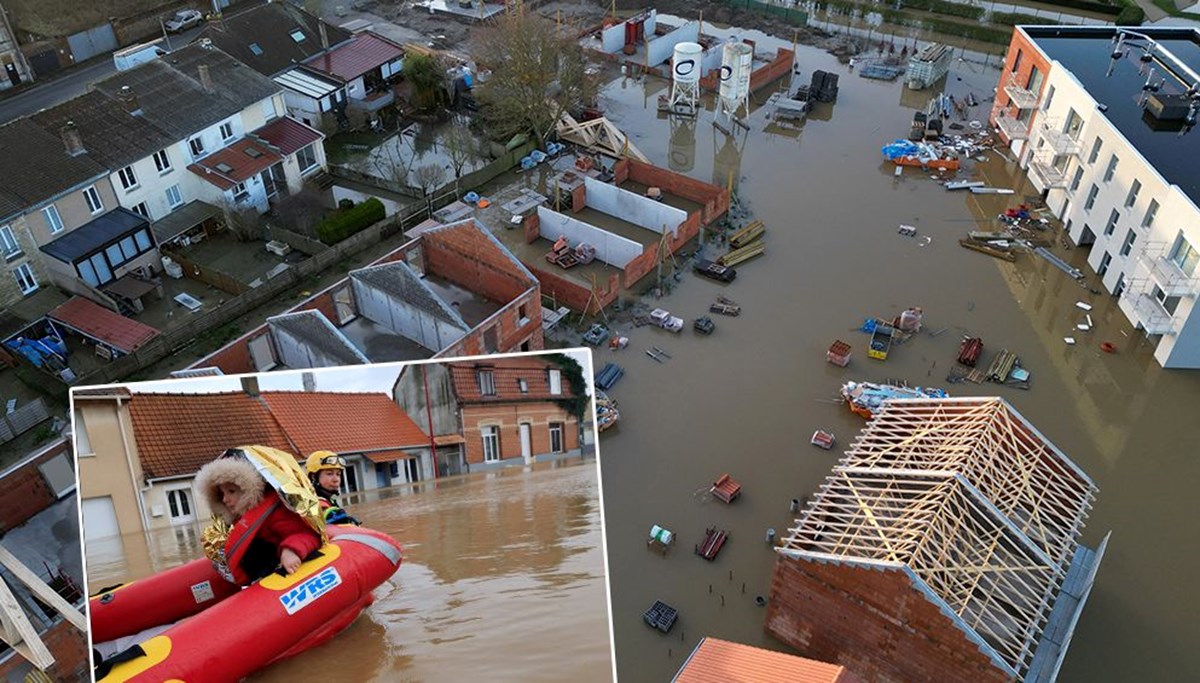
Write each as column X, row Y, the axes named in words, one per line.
column 967, row 496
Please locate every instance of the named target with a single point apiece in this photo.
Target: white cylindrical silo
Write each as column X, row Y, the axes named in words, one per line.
column 737, row 62
column 685, row 63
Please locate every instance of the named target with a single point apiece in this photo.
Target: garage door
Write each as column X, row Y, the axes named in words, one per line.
column 99, row 519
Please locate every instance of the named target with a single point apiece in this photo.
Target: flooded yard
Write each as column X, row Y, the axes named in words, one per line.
column 746, row 399
column 505, row 567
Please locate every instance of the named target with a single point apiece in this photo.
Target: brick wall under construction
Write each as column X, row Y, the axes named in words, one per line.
column 875, row 623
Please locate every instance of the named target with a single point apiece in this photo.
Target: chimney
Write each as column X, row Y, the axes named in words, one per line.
column 72, row 139
column 324, row 35
column 205, row 78
column 128, row 100
column 310, row 381
column 250, row 386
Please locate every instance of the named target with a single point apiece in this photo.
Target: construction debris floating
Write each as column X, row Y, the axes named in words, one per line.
column 1060, row 264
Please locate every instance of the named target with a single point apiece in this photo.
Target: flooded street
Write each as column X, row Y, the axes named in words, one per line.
column 500, row 567
column 746, row 399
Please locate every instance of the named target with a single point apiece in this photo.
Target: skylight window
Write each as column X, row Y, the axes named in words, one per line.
column 224, row 168
column 256, row 49
column 253, row 153
column 298, row 36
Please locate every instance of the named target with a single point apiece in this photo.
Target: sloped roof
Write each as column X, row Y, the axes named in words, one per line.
column 968, row 498
column 343, row 422
column 97, row 322
column 287, row 135
column 506, row 373
column 720, row 661
column 36, row 167
column 364, row 52
column 94, row 234
column 176, row 434
column 172, row 97
column 308, row 82
column 398, row 280
column 112, row 136
column 270, row 28
column 238, row 162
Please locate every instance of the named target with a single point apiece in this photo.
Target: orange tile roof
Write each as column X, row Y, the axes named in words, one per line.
column 97, row 322
column 235, row 163
column 343, row 422
column 177, row 433
column 720, row 661
column 505, row 375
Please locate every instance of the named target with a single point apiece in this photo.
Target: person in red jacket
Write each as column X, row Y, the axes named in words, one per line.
column 263, row 533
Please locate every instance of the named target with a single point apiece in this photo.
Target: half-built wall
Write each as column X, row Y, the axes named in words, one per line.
column 615, row 37
column 660, row 48
column 385, row 309
column 612, row 249
column 474, row 259
column 632, row 207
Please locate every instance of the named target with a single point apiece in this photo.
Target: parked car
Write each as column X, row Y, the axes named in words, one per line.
column 715, row 271
column 183, row 20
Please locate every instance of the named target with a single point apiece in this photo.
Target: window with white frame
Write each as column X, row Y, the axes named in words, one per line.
column 1169, row 303
column 1096, row 145
column 1127, row 245
column 1119, row 288
column 161, row 161
column 268, row 108
column 180, row 504
column 1134, row 189
column 196, row 146
column 307, row 158
column 491, row 443
column 240, row 193
column 1112, row 222
column 93, row 199
column 1076, row 178
column 174, row 199
column 128, row 178
column 142, row 210
column 1184, row 256
column 226, row 131
column 556, row 437
column 25, row 279
column 8, row 242
column 1105, row 261
column 487, row 382
column 1112, row 168
column 555, row 377
column 53, row 220
column 1049, row 98
column 1073, row 125
column 1151, row 211
column 523, row 385
column 1091, row 199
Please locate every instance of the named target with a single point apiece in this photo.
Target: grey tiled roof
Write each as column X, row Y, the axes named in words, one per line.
column 111, row 135
column 172, row 97
column 398, row 281
column 313, row 329
column 35, row 166
column 270, row 27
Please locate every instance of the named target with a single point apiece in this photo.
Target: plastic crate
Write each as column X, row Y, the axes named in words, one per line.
column 660, row 616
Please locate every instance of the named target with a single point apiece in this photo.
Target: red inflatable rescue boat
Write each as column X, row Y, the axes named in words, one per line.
column 223, row 633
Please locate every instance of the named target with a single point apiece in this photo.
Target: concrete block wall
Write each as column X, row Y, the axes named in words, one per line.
column 714, row 199
column 874, row 622
column 509, row 416
column 610, row 248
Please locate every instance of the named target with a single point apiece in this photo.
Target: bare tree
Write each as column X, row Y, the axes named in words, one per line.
column 301, row 211
column 429, row 177
column 538, row 72
column 244, row 223
column 461, row 147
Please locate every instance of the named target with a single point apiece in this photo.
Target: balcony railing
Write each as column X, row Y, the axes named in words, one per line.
column 1059, row 141
column 1163, row 271
column 1013, row 129
column 1151, row 315
column 1022, row 98
column 1046, row 173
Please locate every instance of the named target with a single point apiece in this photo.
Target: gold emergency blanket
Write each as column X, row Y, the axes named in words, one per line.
column 283, row 474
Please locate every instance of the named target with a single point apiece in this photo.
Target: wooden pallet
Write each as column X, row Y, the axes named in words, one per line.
column 714, row 540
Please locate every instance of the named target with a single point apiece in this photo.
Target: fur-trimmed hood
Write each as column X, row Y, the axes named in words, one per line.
column 236, row 470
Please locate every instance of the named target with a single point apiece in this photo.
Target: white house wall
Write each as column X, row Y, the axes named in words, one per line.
column 1176, row 213
column 632, row 207
column 297, row 353
column 302, row 107
column 612, row 249
column 612, row 39
column 403, row 318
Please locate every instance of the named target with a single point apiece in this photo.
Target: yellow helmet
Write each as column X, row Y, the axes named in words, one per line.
column 324, row 460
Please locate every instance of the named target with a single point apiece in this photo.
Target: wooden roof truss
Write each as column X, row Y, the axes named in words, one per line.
column 968, row 496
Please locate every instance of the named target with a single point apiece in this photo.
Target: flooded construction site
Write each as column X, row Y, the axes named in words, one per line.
column 745, row 400
column 502, row 566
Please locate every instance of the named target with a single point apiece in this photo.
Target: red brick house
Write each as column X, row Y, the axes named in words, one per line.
column 721, row 661
column 491, row 412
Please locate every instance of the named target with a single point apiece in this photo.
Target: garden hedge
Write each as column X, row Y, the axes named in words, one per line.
column 343, row 224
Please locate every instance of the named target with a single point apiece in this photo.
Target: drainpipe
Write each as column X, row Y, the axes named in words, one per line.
column 429, row 418
column 132, row 479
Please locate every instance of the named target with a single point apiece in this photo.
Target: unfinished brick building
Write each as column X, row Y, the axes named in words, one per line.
column 943, row 547
column 454, row 290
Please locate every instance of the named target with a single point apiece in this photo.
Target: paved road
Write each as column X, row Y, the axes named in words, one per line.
column 73, row 82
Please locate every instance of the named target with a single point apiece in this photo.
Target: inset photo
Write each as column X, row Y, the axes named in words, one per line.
column 398, row 522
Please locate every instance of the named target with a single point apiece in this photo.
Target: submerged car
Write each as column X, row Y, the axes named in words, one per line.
column 183, row 20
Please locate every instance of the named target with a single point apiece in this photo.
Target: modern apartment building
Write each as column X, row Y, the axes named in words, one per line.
column 1102, row 119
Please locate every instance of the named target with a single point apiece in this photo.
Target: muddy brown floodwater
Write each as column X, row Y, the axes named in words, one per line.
column 502, row 580
column 746, row 399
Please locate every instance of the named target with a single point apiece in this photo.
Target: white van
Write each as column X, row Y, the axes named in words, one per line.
column 129, row 57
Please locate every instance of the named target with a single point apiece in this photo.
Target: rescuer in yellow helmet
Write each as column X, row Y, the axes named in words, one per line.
column 325, row 472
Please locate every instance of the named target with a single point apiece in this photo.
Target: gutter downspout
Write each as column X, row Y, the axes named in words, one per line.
column 141, row 503
column 429, row 418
